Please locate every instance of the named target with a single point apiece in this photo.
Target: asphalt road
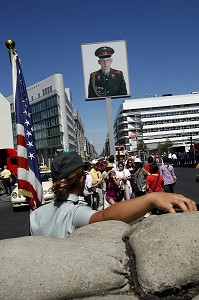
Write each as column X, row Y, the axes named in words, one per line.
column 16, row 224
column 186, row 183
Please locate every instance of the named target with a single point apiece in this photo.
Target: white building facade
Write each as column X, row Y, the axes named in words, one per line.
column 79, row 131
column 6, row 135
column 155, row 120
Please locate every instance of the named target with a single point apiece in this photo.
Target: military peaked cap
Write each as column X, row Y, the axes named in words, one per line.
column 64, row 164
column 104, row 52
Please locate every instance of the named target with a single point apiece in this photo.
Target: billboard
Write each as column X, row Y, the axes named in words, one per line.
column 105, row 70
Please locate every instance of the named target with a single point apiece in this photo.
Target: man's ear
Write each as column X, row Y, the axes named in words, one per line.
column 99, row 61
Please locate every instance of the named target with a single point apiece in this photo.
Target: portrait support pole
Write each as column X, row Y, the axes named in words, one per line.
column 110, row 126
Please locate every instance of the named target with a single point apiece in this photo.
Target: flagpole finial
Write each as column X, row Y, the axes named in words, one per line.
column 10, row 44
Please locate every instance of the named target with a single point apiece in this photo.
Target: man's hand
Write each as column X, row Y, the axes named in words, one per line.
column 169, row 201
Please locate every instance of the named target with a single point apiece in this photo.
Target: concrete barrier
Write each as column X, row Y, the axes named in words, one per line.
column 157, row 258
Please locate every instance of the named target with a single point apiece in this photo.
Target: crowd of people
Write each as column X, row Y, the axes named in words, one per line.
column 183, row 158
column 108, row 181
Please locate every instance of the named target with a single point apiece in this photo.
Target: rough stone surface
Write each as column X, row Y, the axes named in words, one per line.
column 161, row 258
column 92, row 261
column 166, row 252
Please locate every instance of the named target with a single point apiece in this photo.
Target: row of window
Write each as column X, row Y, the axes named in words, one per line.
column 44, row 92
column 171, row 128
column 71, row 137
column 52, row 121
column 46, row 133
column 50, row 142
column 125, row 140
column 44, row 104
column 70, row 128
column 69, row 113
column 39, row 116
column 172, row 113
column 173, row 107
column 172, row 121
column 47, row 90
column 155, row 115
column 70, row 121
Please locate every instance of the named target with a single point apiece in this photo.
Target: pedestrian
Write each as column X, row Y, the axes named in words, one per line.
column 109, row 167
column 101, row 165
column 124, row 175
column 97, row 182
column 6, row 176
column 140, row 177
column 130, row 167
column 150, row 161
column 111, row 160
column 112, row 188
column 154, row 181
column 167, row 171
column 89, row 186
column 59, row 218
column 174, row 159
column 1, row 183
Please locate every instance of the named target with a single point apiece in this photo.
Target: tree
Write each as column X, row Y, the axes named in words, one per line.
column 160, row 147
column 168, row 144
column 141, row 145
column 164, row 147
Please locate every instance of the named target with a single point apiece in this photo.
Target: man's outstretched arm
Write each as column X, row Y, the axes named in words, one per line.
column 130, row 210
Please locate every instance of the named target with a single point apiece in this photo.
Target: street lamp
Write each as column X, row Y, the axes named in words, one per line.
column 141, row 128
column 191, row 146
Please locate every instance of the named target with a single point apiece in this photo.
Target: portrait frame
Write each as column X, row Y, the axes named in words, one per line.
column 91, row 65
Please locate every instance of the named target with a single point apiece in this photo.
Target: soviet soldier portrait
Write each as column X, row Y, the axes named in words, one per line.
column 106, row 82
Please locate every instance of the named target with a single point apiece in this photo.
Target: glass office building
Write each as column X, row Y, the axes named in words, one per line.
column 53, row 120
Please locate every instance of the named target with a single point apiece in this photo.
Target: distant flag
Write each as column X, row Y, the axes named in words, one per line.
column 29, row 178
column 133, row 135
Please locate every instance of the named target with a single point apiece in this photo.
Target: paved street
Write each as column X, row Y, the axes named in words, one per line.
column 186, row 183
column 15, row 224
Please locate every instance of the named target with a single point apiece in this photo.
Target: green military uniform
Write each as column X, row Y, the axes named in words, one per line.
column 106, row 86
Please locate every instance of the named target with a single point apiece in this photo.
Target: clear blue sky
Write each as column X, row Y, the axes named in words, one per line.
column 162, row 45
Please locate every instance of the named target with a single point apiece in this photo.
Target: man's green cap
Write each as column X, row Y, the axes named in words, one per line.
column 64, row 164
column 104, row 52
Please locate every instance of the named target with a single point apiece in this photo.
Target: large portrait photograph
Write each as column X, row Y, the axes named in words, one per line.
column 105, row 70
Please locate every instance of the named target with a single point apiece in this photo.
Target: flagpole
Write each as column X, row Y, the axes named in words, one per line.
column 28, row 173
column 10, row 44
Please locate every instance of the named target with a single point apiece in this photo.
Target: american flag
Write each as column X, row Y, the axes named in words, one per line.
column 29, row 178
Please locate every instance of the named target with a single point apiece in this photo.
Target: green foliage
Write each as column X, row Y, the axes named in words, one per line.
column 164, row 147
column 168, row 143
column 160, row 147
column 141, row 145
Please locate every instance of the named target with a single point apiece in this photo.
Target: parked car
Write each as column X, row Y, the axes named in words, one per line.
column 19, row 201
